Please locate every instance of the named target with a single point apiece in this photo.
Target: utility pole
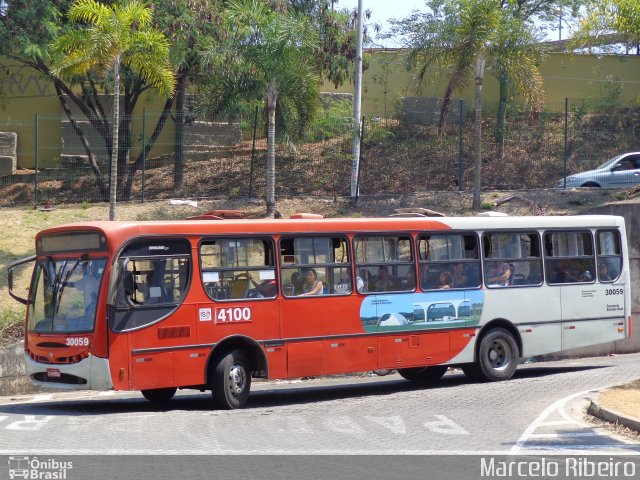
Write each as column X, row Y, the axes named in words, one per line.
column 357, row 107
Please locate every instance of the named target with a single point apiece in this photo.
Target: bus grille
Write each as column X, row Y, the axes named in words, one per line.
column 63, row 378
column 59, row 360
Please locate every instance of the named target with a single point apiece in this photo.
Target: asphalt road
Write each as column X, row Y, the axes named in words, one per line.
column 539, row 411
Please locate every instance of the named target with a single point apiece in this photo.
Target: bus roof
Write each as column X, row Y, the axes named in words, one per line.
column 126, row 229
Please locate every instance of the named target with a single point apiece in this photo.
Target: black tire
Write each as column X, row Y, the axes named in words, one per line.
column 497, row 357
column 590, row 185
column 230, row 380
column 423, row 374
column 159, row 395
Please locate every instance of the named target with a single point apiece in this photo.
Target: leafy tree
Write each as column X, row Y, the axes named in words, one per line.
column 109, row 38
column 270, row 56
column 605, row 18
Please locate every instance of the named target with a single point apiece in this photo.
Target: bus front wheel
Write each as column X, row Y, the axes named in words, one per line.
column 159, row 395
column 230, row 381
column 423, row 374
column 497, row 357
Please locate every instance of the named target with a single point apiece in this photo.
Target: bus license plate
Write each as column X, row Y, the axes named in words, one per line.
column 53, row 372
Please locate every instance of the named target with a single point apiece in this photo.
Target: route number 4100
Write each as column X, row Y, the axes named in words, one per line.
column 233, row 314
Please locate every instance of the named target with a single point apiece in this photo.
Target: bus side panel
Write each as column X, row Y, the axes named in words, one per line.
column 541, row 339
column 190, row 366
column 536, row 309
column 413, row 350
column 350, row 354
column 120, row 361
column 585, row 333
column 152, row 370
column 592, row 314
column 305, row 359
column 462, row 345
column 276, row 361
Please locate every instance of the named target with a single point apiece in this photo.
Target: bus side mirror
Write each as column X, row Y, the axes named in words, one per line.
column 13, row 295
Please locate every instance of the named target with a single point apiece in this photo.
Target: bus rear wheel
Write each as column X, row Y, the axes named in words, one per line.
column 497, row 357
column 423, row 374
column 159, row 395
column 230, row 381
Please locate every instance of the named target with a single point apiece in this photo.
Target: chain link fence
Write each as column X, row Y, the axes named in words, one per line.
column 69, row 161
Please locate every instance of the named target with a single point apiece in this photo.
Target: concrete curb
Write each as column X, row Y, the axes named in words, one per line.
column 612, row 416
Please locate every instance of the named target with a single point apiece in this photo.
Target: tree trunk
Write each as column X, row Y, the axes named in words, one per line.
column 444, row 110
column 104, row 192
column 133, row 167
column 477, row 134
column 272, row 98
column 113, row 187
column 502, row 113
column 178, row 167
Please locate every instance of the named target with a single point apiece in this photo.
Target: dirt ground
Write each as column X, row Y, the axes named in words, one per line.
column 624, row 399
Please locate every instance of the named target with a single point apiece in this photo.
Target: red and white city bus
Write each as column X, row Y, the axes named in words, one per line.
column 209, row 304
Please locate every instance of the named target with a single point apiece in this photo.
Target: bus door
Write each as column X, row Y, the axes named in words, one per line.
column 153, row 330
column 319, row 313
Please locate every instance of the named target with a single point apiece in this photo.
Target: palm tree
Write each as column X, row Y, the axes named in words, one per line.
column 112, row 37
column 277, row 50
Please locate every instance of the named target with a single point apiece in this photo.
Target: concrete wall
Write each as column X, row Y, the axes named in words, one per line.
column 8, row 153
column 386, row 82
column 12, row 371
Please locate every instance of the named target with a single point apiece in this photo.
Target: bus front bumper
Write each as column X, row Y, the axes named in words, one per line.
column 91, row 373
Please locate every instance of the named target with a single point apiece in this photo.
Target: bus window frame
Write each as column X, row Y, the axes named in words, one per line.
column 465, row 261
column 265, row 238
column 593, row 256
column 510, row 260
column 117, row 275
column 387, row 233
column 349, row 265
column 600, row 258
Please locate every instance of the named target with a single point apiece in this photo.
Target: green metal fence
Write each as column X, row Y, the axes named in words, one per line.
column 69, row 161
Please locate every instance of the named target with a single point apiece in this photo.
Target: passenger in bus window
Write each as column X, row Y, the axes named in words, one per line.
column 460, row 279
column 445, row 280
column 311, row 285
column 155, row 291
column 603, row 273
column 499, row 274
column 383, row 282
column 361, row 281
column 262, row 289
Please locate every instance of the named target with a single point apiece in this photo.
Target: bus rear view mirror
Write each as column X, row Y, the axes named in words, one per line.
column 10, row 278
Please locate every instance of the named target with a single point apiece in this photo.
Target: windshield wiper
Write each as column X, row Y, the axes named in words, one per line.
column 61, row 284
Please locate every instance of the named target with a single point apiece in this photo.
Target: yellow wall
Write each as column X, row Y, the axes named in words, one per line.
column 565, row 76
column 25, row 92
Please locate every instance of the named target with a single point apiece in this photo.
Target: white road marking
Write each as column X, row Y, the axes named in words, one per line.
column 30, row 423
column 559, row 407
column 445, row 425
column 394, row 424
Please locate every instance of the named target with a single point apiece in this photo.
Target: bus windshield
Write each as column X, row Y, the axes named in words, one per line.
column 64, row 293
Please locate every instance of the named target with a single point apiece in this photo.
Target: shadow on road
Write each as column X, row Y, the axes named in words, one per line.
column 267, row 395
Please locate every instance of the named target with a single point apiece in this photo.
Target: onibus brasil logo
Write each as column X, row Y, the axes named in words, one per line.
column 34, row 468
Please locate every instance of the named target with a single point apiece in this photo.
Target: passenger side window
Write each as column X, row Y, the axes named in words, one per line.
column 609, row 253
column 569, row 257
column 512, row 259
column 448, row 261
column 238, row 268
column 384, row 263
column 315, row 266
